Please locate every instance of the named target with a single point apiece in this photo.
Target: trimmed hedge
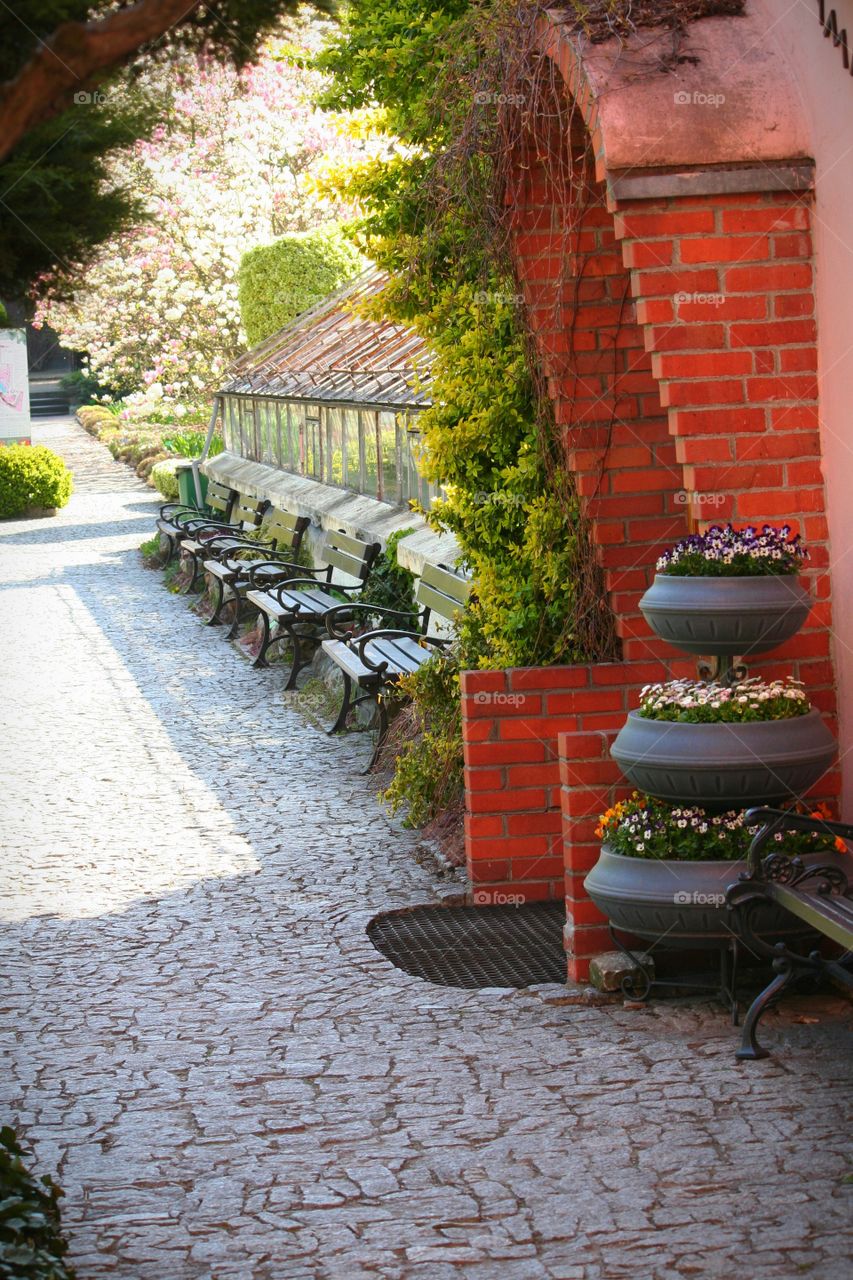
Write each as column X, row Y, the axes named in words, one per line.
column 31, row 476
column 279, row 281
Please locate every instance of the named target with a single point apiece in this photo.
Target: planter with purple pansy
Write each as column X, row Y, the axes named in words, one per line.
column 729, row 592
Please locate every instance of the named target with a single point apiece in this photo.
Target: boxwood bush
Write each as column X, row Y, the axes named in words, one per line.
column 164, row 479
column 279, row 281
column 31, row 1247
column 31, row 476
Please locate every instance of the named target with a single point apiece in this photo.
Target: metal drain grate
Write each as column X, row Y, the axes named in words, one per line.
column 502, row 946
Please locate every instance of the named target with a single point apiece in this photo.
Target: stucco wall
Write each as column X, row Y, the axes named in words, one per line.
column 826, row 89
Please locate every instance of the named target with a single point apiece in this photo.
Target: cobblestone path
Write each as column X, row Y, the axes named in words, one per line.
column 232, row 1084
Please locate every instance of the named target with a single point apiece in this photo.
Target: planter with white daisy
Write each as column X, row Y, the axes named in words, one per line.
column 724, row 746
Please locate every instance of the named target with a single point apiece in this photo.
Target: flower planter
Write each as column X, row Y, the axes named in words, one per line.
column 682, row 902
column 724, row 766
column 727, row 616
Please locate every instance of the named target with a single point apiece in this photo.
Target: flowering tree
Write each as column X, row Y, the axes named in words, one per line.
column 230, row 167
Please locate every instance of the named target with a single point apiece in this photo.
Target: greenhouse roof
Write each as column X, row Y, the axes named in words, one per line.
column 332, row 355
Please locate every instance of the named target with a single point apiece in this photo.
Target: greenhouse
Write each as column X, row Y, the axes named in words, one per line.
column 334, row 397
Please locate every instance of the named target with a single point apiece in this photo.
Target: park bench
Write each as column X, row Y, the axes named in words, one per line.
column 246, row 514
column 374, row 660
column 177, row 520
column 231, row 559
column 299, row 606
column 819, row 895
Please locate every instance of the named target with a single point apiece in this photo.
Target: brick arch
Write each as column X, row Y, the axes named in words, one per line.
column 675, row 323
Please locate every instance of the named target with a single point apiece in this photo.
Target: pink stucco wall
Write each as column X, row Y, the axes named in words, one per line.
column 826, row 90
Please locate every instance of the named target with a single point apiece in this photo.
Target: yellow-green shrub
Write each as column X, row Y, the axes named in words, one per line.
column 31, row 476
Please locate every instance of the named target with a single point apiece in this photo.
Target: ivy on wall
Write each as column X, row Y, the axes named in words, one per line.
column 428, row 218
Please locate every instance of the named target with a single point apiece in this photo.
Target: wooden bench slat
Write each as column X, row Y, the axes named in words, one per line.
column 403, row 656
column 446, row 583
column 355, row 566
column 348, row 660
column 830, row 915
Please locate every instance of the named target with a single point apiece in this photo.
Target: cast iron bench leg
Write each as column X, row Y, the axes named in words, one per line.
column 299, row 658
column 239, row 613
column 381, row 734
column 266, row 640
column 345, row 706
column 214, row 620
column 749, row 1046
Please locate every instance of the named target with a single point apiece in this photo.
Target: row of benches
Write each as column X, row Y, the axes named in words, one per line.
column 306, row 607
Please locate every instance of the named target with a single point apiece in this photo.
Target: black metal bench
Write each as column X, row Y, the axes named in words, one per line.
column 177, row 520
column 231, row 559
column 299, row 606
column 818, row 894
column 246, row 514
column 374, row 660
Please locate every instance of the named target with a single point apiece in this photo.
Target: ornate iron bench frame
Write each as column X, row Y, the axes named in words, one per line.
column 178, row 521
column 375, row 660
column 299, row 605
column 231, row 560
column 820, row 895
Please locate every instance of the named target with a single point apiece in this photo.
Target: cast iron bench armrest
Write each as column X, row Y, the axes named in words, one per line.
column 178, row 508
column 309, row 582
column 282, row 567
column 346, row 611
column 386, row 633
column 774, row 820
column 222, row 545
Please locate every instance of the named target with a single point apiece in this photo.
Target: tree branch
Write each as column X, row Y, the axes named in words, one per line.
column 77, row 56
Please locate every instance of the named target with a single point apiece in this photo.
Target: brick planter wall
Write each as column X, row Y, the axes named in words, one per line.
column 680, row 351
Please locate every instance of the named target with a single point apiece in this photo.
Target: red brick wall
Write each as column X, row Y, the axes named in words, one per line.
column 678, row 338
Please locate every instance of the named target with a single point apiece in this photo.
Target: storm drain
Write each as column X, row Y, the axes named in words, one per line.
column 503, row 946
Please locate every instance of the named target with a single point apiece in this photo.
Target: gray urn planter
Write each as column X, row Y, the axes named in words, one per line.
column 724, row 766
column 729, row 616
column 681, row 903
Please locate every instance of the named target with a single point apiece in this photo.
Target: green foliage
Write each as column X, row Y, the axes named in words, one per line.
column 4, row 317
column 82, row 387
column 31, row 476
column 189, row 444
column 426, row 740
column 389, row 585
column 31, row 1247
column 56, row 203
column 428, row 217
column 279, row 281
column 164, row 478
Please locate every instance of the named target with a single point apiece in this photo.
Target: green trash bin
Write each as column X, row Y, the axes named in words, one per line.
column 186, row 484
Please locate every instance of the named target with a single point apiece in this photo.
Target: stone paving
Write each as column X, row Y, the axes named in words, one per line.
column 231, row 1082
